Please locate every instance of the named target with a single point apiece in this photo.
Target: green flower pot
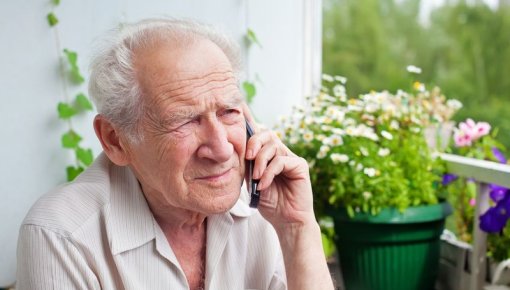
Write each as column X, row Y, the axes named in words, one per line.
column 392, row 250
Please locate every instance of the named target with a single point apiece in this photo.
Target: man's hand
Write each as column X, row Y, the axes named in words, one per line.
column 286, row 201
column 286, row 193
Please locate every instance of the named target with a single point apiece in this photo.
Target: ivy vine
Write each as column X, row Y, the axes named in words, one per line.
column 249, row 85
column 71, row 107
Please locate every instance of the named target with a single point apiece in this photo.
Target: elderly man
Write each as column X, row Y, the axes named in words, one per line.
column 162, row 206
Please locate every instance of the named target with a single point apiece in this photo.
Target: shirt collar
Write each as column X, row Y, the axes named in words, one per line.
column 129, row 220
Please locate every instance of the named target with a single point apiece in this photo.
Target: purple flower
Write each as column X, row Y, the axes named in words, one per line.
column 499, row 155
column 448, row 178
column 495, row 218
column 497, row 192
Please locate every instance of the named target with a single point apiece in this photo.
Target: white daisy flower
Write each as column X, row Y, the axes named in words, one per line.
column 308, row 136
column 351, row 131
column 383, row 152
column 363, row 151
column 336, row 140
column 338, row 90
column 413, row 69
column 369, row 171
column 454, row 104
column 339, row 158
column 338, row 131
column 394, row 125
column 371, row 108
column 326, row 128
column 387, row 135
column 415, row 130
column 327, row 77
column 367, row 195
column 372, row 136
column 341, row 79
column 359, row 167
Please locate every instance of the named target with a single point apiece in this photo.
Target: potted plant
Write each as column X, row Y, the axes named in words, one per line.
column 373, row 173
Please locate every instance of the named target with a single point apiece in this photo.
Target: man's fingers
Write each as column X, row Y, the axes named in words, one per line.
column 264, row 156
column 266, row 138
column 291, row 167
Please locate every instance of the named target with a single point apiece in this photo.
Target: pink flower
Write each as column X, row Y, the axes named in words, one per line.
column 462, row 138
column 481, row 129
column 472, row 202
column 467, row 126
column 474, row 130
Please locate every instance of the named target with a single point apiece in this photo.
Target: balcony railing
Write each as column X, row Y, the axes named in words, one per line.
column 484, row 172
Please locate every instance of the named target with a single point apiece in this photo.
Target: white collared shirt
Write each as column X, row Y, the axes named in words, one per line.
column 99, row 233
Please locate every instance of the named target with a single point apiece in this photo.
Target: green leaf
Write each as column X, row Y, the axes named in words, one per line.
column 52, row 19
column 350, row 211
column 83, row 102
column 250, row 90
column 65, row 111
column 56, row 2
column 73, row 172
column 85, row 156
column 71, row 139
column 252, row 37
column 72, row 58
column 328, row 245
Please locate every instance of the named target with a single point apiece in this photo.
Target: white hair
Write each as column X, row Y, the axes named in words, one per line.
column 113, row 85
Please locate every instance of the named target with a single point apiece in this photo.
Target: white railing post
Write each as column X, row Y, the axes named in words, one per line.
column 478, row 258
column 484, row 172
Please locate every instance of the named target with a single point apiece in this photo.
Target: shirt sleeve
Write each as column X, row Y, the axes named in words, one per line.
column 48, row 260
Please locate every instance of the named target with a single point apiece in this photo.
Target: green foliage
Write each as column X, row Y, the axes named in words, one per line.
column 73, row 172
column 251, row 38
column 71, row 139
column 83, row 102
column 72, row 59
column 250, row 90
column 365, row 153
column 249, row 86
column 85, row 156
column 465, row 50
column 52, row 19
column 461, row 193
column 65, row 111
column 327, row 235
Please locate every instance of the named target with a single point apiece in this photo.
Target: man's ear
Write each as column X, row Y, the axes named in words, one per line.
column 111, row 142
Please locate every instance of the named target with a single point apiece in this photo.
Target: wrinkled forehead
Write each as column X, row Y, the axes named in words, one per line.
column 188, row 77
column 174, row 67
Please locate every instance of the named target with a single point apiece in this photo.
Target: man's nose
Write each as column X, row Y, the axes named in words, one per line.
column 215, row 144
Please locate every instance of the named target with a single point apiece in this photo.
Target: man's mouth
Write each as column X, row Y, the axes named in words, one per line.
column 217, row 177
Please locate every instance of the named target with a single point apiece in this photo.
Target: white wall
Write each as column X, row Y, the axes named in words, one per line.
column 32, row 161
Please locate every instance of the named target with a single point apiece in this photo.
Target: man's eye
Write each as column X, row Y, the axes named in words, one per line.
column 230, row 112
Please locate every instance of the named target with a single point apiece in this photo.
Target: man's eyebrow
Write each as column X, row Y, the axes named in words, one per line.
column 173, row 117
column 178, row 116
column 234, row 100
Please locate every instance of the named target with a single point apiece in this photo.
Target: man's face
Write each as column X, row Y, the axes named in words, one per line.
column 192, row 154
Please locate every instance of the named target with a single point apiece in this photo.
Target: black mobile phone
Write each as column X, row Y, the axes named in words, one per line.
column 252, row 183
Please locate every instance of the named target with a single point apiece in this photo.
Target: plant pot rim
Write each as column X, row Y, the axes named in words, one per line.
column 412, row 214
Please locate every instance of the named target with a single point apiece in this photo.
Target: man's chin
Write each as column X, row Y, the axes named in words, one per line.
column 224, row 203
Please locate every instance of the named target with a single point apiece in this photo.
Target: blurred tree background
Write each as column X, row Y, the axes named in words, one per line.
column 464, row 48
